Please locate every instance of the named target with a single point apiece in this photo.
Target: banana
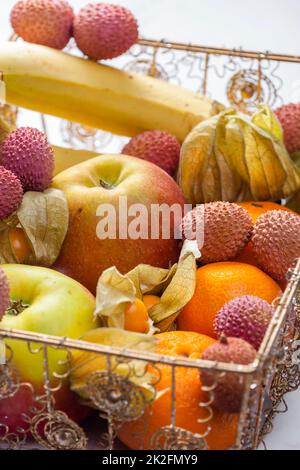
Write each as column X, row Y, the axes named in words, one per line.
column 65, row 158
column 80, row 90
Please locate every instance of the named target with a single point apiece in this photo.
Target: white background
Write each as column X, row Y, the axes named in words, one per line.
column 254, row 24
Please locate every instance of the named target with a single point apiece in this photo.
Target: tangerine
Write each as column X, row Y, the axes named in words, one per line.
column 140, row 434
column 255, row 209
column 217, row 284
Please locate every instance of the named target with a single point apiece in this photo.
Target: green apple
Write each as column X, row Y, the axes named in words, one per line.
column 48, row 302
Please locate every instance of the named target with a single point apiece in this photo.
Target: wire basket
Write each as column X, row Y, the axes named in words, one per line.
column 247, row 79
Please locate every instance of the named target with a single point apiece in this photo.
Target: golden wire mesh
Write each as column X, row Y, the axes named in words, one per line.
column 237, row 78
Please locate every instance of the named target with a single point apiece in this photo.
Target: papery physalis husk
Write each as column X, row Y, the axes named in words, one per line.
column 84, row 364
column 6, row 124
column 44, row 217
column 174, row 286
column 294, row 202
column 232, row 158
column 5, row 129
column 296, row 158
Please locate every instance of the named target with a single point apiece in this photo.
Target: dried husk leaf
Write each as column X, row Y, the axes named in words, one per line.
column 174, row 286
column 282, row 175
column 296, row 158
column 230, row 144
column 180, row 290
column 115, row 292
column 149, row 280
column 195, row 152
column 44, row 217
column 266, row 174
column 294, row 202
column 268, row 122
column 8, row 223
column 204, row 172
column 6, row 253
column 232, row 158
column 5, row 128
column 85, row 364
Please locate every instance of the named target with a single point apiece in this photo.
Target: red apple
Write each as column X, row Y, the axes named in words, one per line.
column 106, row 180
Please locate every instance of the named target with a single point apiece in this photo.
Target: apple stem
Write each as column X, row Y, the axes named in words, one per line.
column 106, row 185
column 16, row 307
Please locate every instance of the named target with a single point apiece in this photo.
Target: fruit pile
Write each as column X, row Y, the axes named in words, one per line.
column 208, row 294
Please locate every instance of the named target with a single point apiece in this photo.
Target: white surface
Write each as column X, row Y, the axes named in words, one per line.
column 261, row 25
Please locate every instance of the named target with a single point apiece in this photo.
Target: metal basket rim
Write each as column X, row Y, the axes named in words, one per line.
column 152, row 357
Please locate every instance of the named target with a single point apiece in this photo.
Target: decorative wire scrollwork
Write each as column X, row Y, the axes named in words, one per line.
column 176, row 438
column 8, row 440
column 78, row 136
column 173, row 437
column 246, row 89
column 9, row 378
column 57, row 432
column 116, row 395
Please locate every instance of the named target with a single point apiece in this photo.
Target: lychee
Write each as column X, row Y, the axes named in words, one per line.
column 4, row 293
column 27, row 153
column 276, row 242
column 229, row 386
column 11, row 193
column 226, row 230
column 46, row 22
column 246, row 317
column 104, row 31
column 158, row 147
column 289, row 117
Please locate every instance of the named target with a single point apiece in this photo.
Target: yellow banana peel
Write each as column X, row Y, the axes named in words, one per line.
column 66, row 157
column 80, row 90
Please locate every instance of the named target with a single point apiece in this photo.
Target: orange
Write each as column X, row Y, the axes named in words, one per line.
column 19, row 244
column 136, row 317
column 255, row 209
column 189, row 396
column 216, row 284
column 150, row 300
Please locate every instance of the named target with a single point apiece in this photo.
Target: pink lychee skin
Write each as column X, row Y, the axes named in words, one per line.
column 276, row 242
column 230, row 387
column 289, row 117
column 246, row 317
column 4, row 293
column 27, row 153
column 158, row 147
column 104, row 31
column 227, row 228
column 11, row 193
column 45, row 22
